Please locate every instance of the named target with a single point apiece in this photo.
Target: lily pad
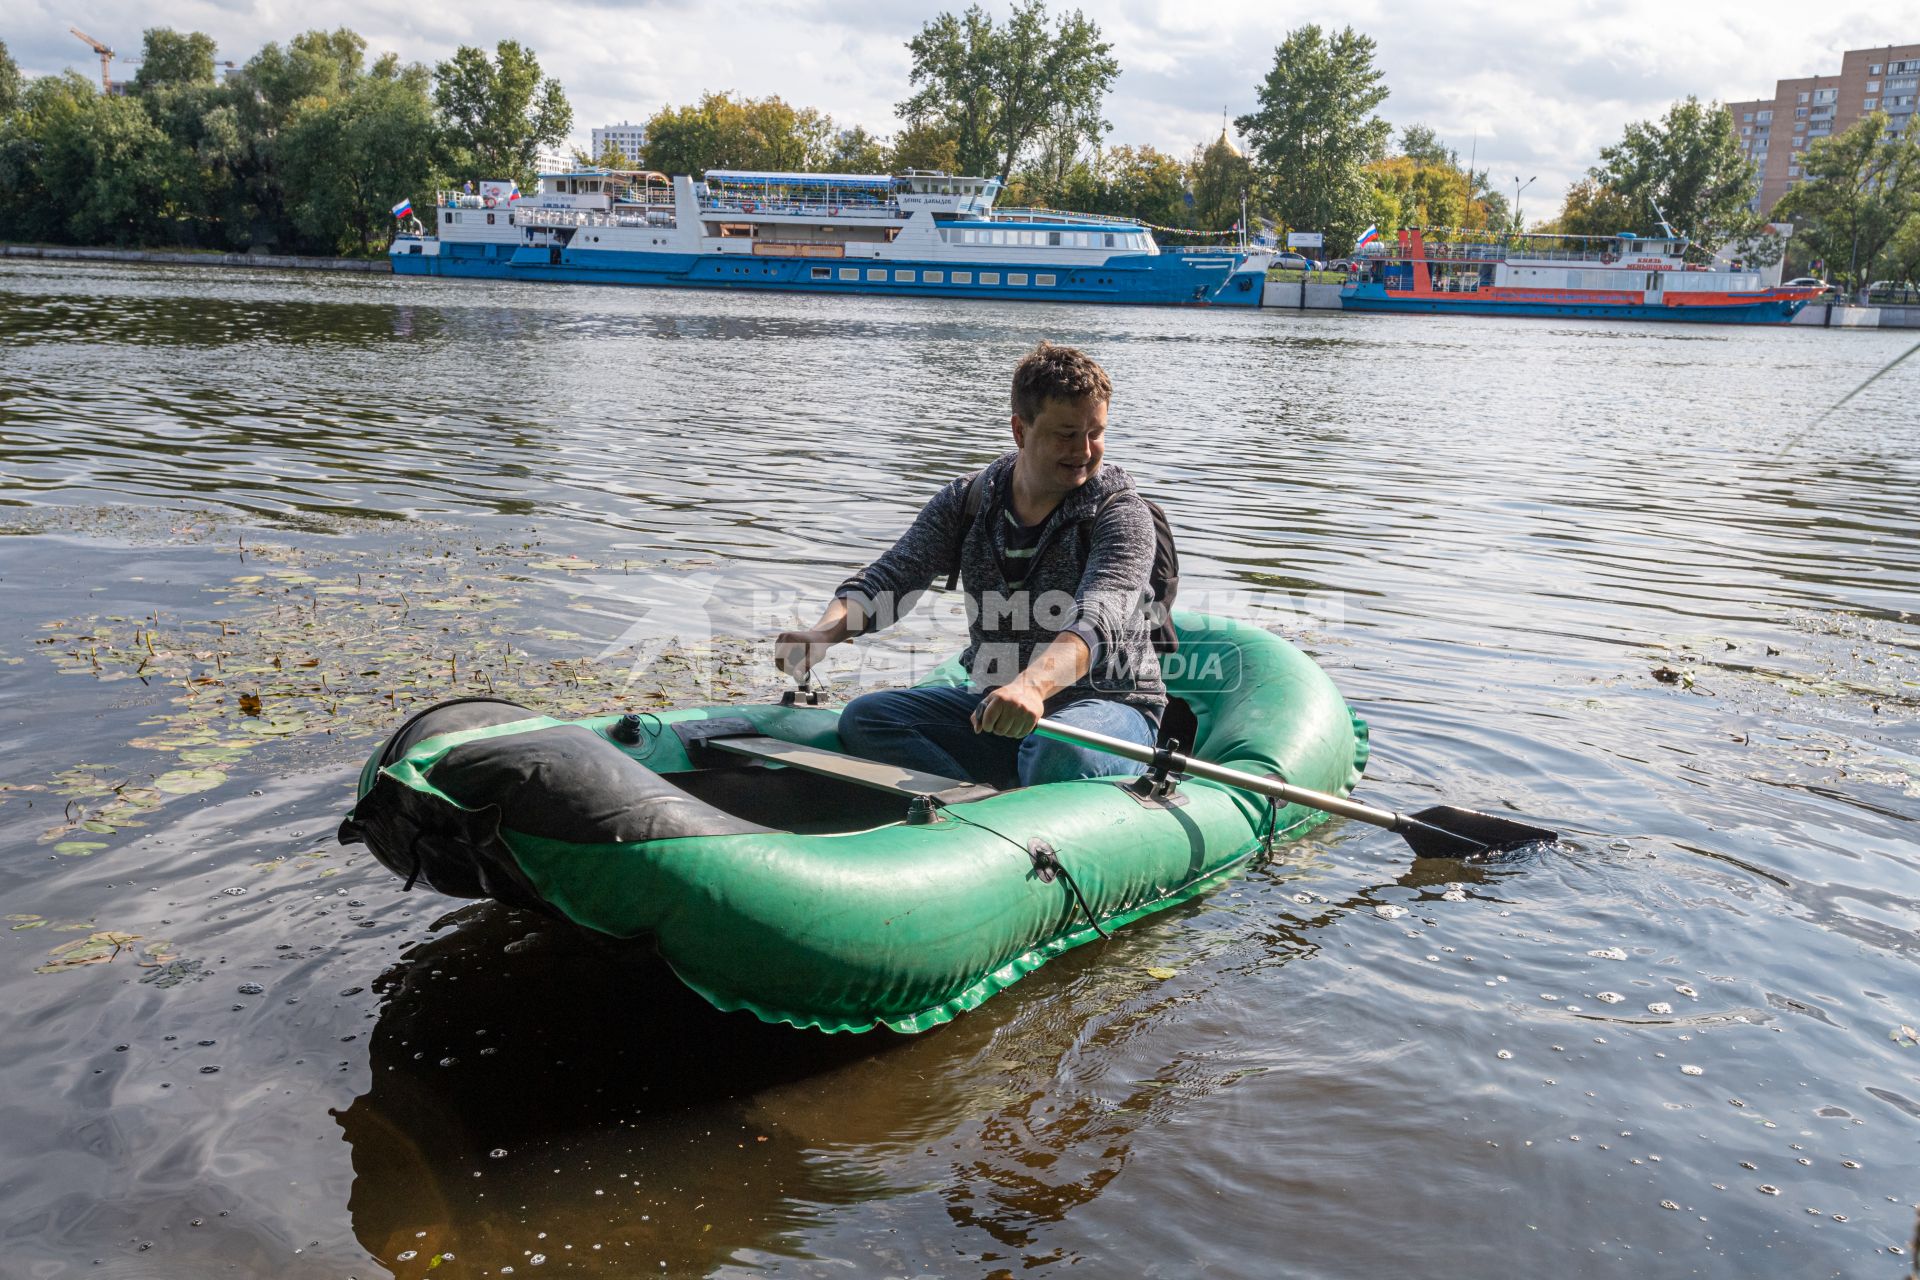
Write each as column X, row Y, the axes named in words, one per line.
column 78, row 848
column 95, row 948
column 186, row 782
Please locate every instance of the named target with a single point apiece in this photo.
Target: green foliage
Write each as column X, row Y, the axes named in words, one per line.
column 927, row 145
column 169, row 58
column 857, row 151
column 499, row 112
column 9, row 82
column 1415, row 194
column 304, row 149
column 724, row 132
column 1217, row 176
column 1592, row 208
column 345, row 162
column 1140, row 182
column 998, row 89
column 1314, row 132
column 1689, row 163
column 1860, row 195
column 1422, row 145
column 88, row 167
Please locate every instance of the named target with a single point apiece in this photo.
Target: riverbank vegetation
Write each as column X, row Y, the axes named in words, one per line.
column 304, row 149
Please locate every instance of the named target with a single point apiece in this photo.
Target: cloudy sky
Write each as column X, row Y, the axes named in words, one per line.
column 1533, row 89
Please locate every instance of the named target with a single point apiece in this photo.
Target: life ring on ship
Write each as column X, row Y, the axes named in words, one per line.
column 489, row 202
column 1609, row 258
column 747, row 206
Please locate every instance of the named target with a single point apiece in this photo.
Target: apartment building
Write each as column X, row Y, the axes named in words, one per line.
column 631, row 139
column 1775, row 132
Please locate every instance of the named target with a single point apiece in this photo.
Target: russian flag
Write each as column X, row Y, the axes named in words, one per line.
column 513, row 194
column 1367, row 237
column 404, row 208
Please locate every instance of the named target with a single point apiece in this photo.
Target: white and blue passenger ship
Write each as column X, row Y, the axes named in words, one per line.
column 918, row 233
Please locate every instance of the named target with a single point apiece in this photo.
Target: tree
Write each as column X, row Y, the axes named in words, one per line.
column 1860, row 192
column 1419, row 195
column 168, row 57
column 998, row 88
column 345, row 162
column 1422, row 146
column 927, row 145
column 94, row 168
column 1217, row 176
column 724, row 132
column 1592, row 208
column 857, row 151
column 1688, row 163
column 499, row 112
column 1314, row 131
column 1142, row 183
column 9, row 82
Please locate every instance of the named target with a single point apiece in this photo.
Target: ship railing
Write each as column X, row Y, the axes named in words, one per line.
column 850, row 208
column 1061, row 215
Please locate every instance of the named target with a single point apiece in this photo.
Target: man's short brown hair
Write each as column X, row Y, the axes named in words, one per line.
column 1050, row 372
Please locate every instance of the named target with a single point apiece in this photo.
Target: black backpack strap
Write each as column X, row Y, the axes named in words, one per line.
column 976, row 496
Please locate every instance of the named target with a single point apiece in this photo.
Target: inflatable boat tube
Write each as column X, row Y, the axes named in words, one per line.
column 779, row 875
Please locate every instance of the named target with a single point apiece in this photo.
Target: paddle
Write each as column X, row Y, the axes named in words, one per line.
column 1440, row 832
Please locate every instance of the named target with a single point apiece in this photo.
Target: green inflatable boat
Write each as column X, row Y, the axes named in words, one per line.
column 777, row 874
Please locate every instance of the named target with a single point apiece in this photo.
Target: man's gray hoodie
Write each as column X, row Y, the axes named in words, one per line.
column 1088, row 576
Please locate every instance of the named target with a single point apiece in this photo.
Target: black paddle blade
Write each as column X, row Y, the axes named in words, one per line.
column 1446, row 832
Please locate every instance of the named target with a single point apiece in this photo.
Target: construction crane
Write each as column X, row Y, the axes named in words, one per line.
column 106, row 58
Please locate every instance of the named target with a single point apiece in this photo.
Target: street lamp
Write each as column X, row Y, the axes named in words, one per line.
column 1518, row 225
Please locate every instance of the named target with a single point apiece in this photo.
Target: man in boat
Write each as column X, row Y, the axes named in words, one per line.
column 1055, row 559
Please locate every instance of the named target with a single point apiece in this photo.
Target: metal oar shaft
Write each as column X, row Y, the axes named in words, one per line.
column 1281, row 791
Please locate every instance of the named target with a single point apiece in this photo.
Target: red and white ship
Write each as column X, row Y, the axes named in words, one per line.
column 1621, row 277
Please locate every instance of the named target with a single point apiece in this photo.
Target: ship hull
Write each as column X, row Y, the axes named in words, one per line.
column 1758, row 311
column 1143, row 280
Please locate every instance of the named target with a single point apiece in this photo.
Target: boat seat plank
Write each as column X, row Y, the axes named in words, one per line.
column 838, row 764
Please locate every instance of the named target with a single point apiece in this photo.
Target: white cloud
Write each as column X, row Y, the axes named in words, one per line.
column 1529, row 89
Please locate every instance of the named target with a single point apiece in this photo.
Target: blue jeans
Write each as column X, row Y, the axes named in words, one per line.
column 929, row 729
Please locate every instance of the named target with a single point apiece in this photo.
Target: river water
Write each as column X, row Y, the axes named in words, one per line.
column 1619, row 579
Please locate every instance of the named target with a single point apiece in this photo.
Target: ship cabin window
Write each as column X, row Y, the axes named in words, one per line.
column 963, row 277
column 1043, row 279
column 989, row 277
column 1017, row 277
column 849, row 273
column 823, row 273
column 1053, row 237
column 1109, row 238
column 934, row 277
column 876, row 274
column 906, row 276
column 447, row 217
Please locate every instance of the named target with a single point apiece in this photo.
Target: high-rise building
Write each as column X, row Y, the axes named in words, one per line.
column 1774, row 132
column 631, row 139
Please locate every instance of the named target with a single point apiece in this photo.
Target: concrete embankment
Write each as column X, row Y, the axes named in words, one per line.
column 1298, row 295
column 1829, row 315
column 273, row 261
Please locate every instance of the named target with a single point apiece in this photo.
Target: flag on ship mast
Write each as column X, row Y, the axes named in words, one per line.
column 1366, row 238
column 404, row 208
column 514, row 194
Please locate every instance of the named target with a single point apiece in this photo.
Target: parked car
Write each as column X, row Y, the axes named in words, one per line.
column 1345, row 264
column 1894, row 291
column 1807, row 282
column 1294, row 262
